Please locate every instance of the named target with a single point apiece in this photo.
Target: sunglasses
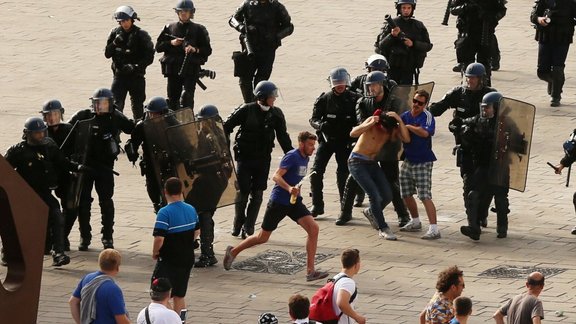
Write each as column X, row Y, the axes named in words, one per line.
column 420, row 103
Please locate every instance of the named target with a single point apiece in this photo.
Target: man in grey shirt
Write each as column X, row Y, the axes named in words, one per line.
column 525, row 308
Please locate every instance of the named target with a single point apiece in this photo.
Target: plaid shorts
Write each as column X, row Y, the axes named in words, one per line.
column 416, row 177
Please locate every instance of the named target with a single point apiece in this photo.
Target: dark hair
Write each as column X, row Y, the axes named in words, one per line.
column 462, row 305
column 299, row 306
column 534, row 282
column 448, row 278
column 306, row 135
column 423, row 93
column 350, row 257
column 160, row 289
column 173, row 186
column 388, row 122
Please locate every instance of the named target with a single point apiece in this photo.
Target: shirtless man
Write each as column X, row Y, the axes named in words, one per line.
column 373, row 133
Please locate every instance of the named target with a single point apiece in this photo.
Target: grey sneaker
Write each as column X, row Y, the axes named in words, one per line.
column 368, row 214
column 431, row 236
column 228, row 258
column 316, row 275
column 387, row 234
column 411, row 227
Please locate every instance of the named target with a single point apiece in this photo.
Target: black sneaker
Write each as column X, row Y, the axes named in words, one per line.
column 316, row 210
column 108, row 243
column 205, row 261
column 471, row 233
column 343, row 219
column 60, row 259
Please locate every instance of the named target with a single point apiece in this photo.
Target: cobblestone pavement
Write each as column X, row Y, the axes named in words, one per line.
column 54, row 49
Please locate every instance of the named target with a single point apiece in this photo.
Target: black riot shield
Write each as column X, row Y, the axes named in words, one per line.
column 402, row 95
column 513, row 137
column 81, row 145
column 157, row 145
column 204, row 164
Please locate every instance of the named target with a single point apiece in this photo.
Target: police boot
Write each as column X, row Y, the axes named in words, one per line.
column 360, row 195
column 85, row 228
column 107, row 209
column 252, row 212
column 473, row 228
column 347, row 201
column 502, row 224
column 557, row 84
column 247, row 90
column 60, row 259
column 316, row 188
column 399, row 206
column 240, row 213
column 207, row 257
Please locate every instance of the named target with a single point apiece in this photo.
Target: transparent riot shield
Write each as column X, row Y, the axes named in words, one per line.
column 402, row 95
column 203, row 162
column 513, row 137
column 157, row 143
column 80, row 136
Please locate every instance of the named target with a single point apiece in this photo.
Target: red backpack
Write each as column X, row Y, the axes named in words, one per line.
column 321, row 305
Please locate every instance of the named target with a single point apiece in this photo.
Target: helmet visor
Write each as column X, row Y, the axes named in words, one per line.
column 101, row 105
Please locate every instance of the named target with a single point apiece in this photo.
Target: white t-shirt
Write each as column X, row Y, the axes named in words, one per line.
column 159, row 314
column 350, row 286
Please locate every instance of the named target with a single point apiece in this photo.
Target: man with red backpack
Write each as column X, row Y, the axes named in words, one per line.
column 341, row 293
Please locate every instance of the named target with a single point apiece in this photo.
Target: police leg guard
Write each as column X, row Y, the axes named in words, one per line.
column 247, row 89
column 473, row 228
column 84, row 225
column 207, row 257
column 240, row 212
column 316, row 189
column 341, row 178
column 252, row 211
column 57, row 229
column 360, row 195
column 347, row 201
column 107, row 209
column 558, row 78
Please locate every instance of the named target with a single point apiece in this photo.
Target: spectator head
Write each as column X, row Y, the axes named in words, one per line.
column 423, row 93
column 267, row 318
column 450, row 282
column 462, row 306
column 109, row 260
column 173, row 186
column 306, row 135
column 535, row 282
column 160, row 289
column 299, row 307
column 350, row 258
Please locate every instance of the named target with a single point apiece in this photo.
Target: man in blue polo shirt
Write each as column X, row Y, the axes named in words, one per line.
column 292, row 169
column 416, row 171
column 174, row 233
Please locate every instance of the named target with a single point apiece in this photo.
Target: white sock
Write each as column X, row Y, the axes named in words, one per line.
column 416, row 220
column 433, row 228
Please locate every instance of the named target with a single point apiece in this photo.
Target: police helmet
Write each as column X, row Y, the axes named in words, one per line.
column 377, row 62
column 34, row 124
column 491, row 98
column 185, row 5
column 124, row 13
column 399, row 3
column 339, row 76
column 102, row 100
column 569, row 144
column 52, row 105
column 267, row 318
column 157, row 105
column 265, row 89
column 376, row 77
column 475, row 70
column 207, row 111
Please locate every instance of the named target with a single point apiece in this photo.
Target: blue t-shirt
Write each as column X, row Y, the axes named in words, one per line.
column 109, row 299
column 296, row 167
column 176, row 222
column 419, row 150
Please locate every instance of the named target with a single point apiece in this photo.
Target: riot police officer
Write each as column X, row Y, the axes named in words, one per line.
column 131, row 50
column 466, row 99
column 100, row 145
column 186, row 46
column 569, row 147
column 376, row 62
column 333, row 117
column 478, row 138
column 38, row 160
column 404, row 41
column 259, row 122
column 554, row 23
column 476, row 23
column 262, row 25
column 156, row 107
column 53, row 115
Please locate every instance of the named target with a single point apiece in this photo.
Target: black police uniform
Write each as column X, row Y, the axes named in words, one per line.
column 476, row 23
column 567, row 160
column 40, row 165
column 181, row 69
column 333, row 118
column 404, row 61
column 553, row 41
column 357, row 85
column 252, row 150
column 131, row 52
column 467, row 104
column 263, row 26
column 102, row 149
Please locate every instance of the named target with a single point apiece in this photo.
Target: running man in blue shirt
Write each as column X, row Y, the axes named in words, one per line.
column 292, row 169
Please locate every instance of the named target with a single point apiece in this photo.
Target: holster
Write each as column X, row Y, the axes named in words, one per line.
column 242, row 64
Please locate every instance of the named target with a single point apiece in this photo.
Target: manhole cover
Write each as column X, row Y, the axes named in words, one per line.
column 518, row 272
column 281, row 262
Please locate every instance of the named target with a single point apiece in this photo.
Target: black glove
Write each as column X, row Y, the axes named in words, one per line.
column 455, row 125
column 118, row 40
